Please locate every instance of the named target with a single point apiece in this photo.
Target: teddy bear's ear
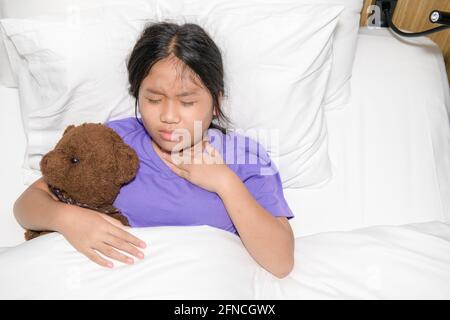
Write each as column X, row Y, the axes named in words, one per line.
column 128, row 163
column 68, row 129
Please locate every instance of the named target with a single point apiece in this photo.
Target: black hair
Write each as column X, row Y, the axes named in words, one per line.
column 190, row 44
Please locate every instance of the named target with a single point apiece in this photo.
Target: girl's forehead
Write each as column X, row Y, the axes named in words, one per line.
column 172, row 67
column 172, row 74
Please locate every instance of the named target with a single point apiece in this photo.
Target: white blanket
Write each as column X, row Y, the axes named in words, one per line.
column 201, row 262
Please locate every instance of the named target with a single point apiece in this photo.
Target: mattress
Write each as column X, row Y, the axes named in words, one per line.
column 390, row 146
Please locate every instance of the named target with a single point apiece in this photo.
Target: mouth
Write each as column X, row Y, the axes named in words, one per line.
column 168, row 135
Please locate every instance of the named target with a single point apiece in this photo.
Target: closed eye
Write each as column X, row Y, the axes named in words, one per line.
column 153, row 101
column 187, row 104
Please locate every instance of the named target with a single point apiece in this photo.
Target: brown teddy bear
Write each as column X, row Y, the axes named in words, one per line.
column 87, row 168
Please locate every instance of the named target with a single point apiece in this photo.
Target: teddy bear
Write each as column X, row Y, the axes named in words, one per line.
column 87, row 168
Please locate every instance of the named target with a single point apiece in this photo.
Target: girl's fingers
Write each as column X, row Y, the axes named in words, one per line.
column 175, row 168
column 209, row 148
column 213, row 153
column 171, row 160
column 182, row 173
column 198, row 155
column 177, row 159
column 176, row 163
column 95, row 257
column 124, row 246
column 126, row 236
column 111, row 220
column 112, row 253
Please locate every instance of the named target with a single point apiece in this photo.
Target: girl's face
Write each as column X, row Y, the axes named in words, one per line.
column 170, row 99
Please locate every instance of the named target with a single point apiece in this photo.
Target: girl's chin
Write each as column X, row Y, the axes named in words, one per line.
column 169, row 146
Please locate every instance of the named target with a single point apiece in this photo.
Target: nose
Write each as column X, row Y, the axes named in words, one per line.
column 169, row 113
column 52, row 163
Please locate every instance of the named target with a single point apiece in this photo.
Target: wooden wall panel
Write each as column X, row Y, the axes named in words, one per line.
column 412, row 15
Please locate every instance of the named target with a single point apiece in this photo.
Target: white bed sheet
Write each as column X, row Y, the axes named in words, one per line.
column 382, row 262
column 202, row 262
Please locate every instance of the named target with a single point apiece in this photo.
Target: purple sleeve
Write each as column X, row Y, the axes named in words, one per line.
column 264, row 183
column 268, row 191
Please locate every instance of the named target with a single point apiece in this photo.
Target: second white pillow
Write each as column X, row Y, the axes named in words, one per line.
column 277, row 63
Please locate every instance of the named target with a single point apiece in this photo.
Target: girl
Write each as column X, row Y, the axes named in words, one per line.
column 176, row 76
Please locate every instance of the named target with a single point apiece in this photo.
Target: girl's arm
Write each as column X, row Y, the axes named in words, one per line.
column 269, row 239
column 88, row 231
column 38, row 209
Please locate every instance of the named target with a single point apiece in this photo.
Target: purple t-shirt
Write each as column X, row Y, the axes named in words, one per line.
column 159, row 197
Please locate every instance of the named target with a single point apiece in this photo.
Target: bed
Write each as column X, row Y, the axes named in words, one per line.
column 379, row 229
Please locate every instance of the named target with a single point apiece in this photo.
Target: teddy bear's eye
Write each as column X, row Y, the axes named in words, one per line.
column 74, row 159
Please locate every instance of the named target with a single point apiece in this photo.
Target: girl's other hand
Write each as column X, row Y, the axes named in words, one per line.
column 91, row 233
column 204, row 167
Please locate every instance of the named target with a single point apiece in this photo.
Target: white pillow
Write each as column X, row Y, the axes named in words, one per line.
column 277, row 63
column 301, row 72
column 344, row 46
column 6, row 75
column 72, row 71
column 30, row 9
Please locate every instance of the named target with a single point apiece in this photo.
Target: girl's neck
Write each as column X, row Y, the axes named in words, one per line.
column 160, row 151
